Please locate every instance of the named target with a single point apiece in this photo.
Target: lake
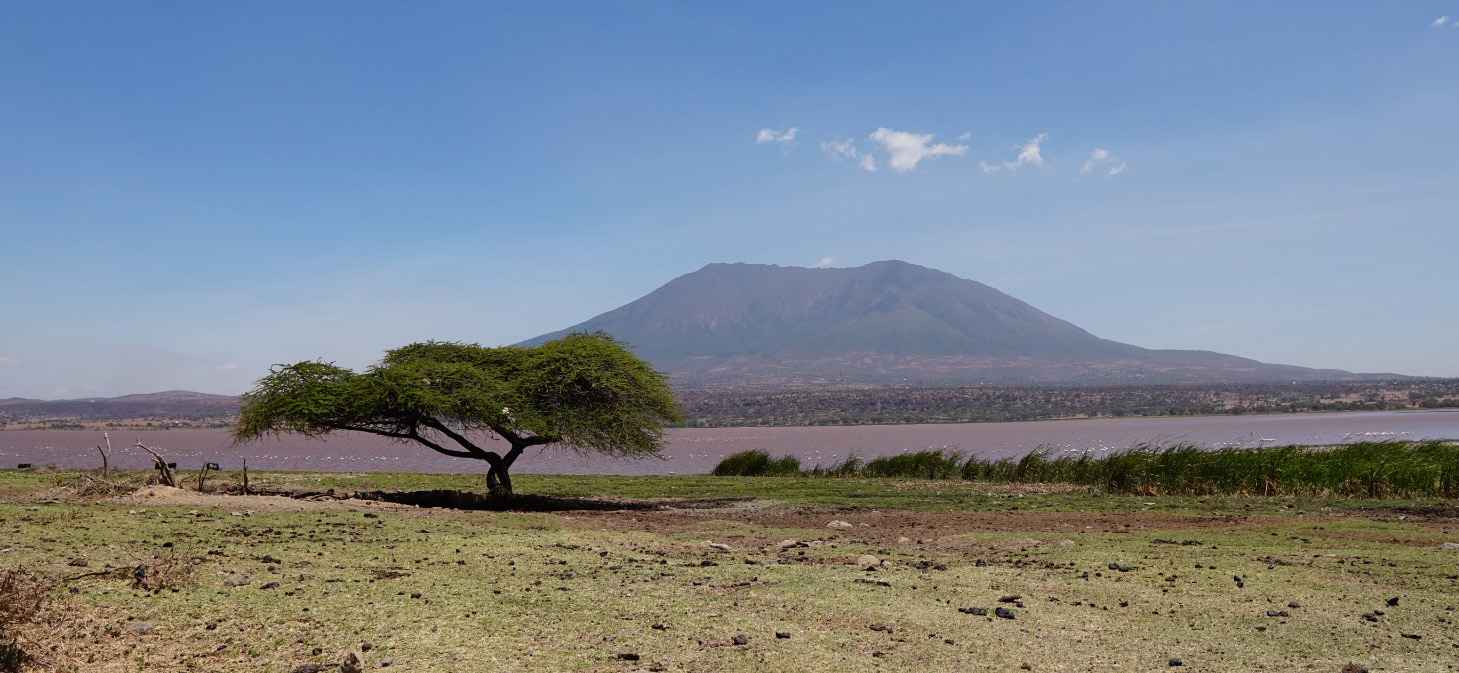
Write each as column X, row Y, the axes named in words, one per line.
column 697, row 450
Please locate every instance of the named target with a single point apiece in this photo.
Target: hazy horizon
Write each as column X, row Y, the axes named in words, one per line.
column 189, row 194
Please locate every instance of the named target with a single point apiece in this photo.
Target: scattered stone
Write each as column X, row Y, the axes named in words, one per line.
column 976, row 612
column 78, row 563
column 1277, row 613
column 1392, row 602
column 1121, row 567
column 1014, row 598
column 270, row 585
column 904, row 540
column 307, row 668
column 1354, row 668
column 720, row 546
column 883, row 628
column 840, row 525
column 868, row 562
column 1411, row 636
column 366, row 646
column 1174, row 662
column 237, row 580
column 782, row 635
column 1004, row 613
column 627, row 656
column 1294, row 605
column 740, row 640
column 1449, row 546
column 880, row 583
column 387, row 663
column 660, row 627
column 351, row 664
column 140, row 628
column 791, row 544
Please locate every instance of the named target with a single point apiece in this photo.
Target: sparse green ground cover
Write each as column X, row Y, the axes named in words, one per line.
column 446, row 590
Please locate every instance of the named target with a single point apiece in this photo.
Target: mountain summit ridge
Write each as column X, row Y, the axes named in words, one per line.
column 887, row 322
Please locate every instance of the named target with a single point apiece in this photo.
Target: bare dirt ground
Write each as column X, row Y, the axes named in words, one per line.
column 234, row 584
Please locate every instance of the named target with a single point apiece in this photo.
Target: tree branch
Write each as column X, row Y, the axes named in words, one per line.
column 455, row 436
column 506, row 433
column 413, row 436
column 517, row 440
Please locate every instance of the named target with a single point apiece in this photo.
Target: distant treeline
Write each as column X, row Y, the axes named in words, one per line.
column 732, row 406
column 1366, row 470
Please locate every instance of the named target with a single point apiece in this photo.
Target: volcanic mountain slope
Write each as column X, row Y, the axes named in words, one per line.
column 887, row 322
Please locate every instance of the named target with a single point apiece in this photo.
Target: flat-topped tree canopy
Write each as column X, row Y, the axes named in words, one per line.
column 584, row 392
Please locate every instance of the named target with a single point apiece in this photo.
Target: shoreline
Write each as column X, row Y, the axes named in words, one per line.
column 1051, row 419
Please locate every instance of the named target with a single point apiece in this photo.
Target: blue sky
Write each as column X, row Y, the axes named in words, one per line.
column 192, row 191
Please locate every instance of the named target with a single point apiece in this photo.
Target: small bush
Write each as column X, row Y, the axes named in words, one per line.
column 756, row 463
column 916, row 465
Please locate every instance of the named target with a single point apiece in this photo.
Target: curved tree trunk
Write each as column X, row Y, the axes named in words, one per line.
column 498, row 483
column 499, row 478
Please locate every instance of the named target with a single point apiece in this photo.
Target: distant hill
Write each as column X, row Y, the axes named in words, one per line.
column 889, row 322
column 171, row 404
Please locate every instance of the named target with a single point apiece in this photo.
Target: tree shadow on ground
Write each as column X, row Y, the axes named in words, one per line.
column 467, row 500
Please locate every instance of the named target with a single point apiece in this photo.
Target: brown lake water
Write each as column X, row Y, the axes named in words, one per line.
column 695, row 451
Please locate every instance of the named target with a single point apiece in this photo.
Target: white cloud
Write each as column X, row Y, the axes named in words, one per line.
column 6, row 361
column 1029, row 154
column 825, row 262
column 1439, row 22
column 772, row 136
column 845, row 148
column 1103, row 159
column 228, row 366
column 906, row 150
column 965, row 136
column 839, row 148
column 1098, row 156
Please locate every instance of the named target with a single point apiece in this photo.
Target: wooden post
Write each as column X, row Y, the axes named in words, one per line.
column 105, row 463
column 245, row 476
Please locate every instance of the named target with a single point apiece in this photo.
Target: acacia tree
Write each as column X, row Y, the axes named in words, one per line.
column 585, row 392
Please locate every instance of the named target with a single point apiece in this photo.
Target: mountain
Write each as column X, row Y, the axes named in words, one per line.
column 171, row 404
column 888, row 322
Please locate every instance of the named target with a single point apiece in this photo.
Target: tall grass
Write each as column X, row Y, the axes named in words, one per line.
column 756, row 463
column 1369, row 469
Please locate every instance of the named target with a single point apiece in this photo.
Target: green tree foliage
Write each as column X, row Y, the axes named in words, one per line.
column 584, row 392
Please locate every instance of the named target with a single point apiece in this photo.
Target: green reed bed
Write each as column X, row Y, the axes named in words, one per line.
column 756, row 464
column 1368, row 469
